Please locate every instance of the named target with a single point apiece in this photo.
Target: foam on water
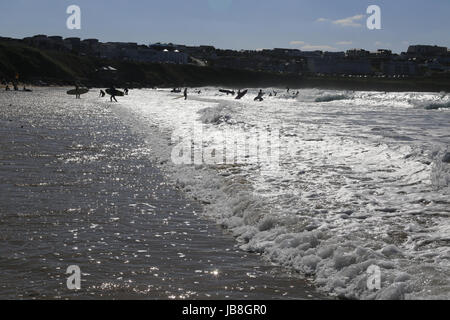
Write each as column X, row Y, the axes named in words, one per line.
column 363, row 179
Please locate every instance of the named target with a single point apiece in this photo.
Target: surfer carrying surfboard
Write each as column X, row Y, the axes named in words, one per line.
column 112, row 93
column 77, row 91
column 260, row 96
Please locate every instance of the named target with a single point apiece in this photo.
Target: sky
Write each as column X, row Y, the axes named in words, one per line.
column 329, row 25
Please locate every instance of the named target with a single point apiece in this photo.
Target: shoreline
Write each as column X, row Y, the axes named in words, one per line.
column 115, row 214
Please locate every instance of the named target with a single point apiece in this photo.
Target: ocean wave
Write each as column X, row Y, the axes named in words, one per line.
column 338, row 206
column 332, row 97
column 440, row 174
column 437, row 105
column 216, row 115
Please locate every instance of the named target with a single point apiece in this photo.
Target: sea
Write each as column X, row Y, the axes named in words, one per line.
column 308, row 194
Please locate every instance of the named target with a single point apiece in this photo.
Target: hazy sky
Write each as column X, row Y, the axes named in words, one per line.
column 237, row 24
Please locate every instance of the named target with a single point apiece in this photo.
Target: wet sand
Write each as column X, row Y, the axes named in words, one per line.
column 78, row 188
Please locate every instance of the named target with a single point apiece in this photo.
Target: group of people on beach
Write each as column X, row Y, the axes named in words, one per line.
column 112, row 91
column 16, row 87
column 7, row 88
column 260, row 96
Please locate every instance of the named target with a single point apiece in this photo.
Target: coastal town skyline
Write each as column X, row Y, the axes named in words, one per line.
column 175, row 45
column 226, row 24
column 418, row 60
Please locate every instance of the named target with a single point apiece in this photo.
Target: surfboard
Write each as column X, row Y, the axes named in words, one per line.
column 79, row 91
column 241, row 94
column 227, row 91
column 117, row 93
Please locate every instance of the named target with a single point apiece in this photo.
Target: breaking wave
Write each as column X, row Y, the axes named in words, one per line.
column 341, row 200
column 332, row 97
column 216, row 115
column 437, row 106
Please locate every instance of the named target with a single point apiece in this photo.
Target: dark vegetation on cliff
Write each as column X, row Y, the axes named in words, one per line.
column 40, row 67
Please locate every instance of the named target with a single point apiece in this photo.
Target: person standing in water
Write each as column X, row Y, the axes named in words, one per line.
column 77, row 94
column 102, row 93
column 260, row 96
column 112, row 93
column 185, row 93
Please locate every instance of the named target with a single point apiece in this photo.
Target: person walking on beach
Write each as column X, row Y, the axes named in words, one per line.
column 102, row 93
column 112, row 93
column 185, row 93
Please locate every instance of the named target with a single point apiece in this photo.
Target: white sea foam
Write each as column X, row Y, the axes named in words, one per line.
column 361, row 181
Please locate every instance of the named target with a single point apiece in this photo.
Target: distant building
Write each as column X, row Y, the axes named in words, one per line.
column 279, row 60
column 72, row 43
column 427, row 51
column 436, row 65
column 110, row 50
column 357, row 53
column 383, row 53
column 39, row 41
column 335, row 55
column 327, row 65
column 286, row 52
column 171, row 56
column 399, row 67
column 311, row 54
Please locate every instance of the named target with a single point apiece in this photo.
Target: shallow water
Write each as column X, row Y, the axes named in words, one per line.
column 79, row 187
column 359, row 180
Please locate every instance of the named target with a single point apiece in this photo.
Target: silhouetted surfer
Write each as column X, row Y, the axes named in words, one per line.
column 185, row 93
column 126, row 91
column 77, row 94
column 241, row 94
column 112, row 93
column 260, row 96
column 102, row 93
